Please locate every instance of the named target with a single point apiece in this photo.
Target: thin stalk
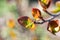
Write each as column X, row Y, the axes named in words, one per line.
column 47, row 20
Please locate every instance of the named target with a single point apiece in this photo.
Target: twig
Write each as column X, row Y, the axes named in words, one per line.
column 54, row 16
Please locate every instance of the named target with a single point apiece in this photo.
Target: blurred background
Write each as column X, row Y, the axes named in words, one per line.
column 11, row 10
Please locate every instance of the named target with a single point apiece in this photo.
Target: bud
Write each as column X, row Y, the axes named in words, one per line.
column 53, row 26
column 45, row 3
column 26, row 22
column 36, row 13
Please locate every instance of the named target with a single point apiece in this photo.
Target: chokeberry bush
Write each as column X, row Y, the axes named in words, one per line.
column 52, row 26
column 14, row 26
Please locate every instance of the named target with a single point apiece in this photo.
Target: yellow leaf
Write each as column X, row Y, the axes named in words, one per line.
column 12, row 34
column 10, row 23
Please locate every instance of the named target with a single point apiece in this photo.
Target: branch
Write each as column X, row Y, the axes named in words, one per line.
column 54, row 16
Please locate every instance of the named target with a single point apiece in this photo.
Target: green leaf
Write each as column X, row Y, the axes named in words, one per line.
column 56, row 10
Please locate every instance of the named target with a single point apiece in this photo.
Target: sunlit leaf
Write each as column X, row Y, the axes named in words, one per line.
column 56, row 10
column 53, row 26
column 36, row 13
column 45, row 3
column 26, row 22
